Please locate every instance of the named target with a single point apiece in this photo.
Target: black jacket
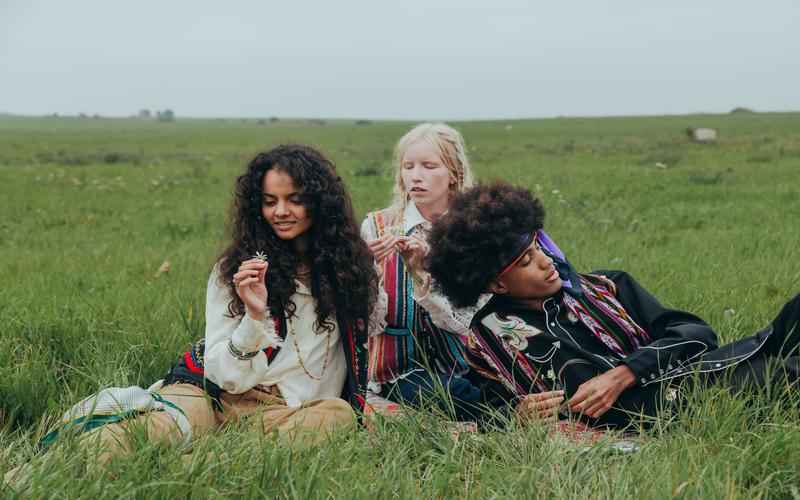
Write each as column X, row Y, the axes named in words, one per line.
column 530, row 350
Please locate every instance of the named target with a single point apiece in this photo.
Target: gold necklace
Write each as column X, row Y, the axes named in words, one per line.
column 300, row 359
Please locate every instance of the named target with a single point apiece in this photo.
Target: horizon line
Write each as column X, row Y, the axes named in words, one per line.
column 84, row 115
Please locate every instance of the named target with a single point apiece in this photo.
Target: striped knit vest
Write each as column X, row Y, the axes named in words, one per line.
column 410, row 341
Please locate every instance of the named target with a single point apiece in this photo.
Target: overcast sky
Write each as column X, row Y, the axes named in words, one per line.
column 412, row 59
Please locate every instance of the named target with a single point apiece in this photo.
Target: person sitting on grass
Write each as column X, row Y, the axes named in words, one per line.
column 599, row 340
column 418, row 357
column 287, row 311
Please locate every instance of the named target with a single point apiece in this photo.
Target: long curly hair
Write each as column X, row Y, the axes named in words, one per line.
column 471, row 243
column 343, row 278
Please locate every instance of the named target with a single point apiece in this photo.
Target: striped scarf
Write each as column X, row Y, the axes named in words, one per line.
column 589, row 298
column 600, row 311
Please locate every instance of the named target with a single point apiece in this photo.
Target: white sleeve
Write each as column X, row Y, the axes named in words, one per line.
column 447, row 317
column 368, row 230
column 232, row 374
column 377, row 320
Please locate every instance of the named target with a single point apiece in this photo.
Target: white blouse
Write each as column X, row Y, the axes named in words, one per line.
column 301, row 345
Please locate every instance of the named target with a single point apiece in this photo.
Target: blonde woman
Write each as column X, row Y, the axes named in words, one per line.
column 419, row 355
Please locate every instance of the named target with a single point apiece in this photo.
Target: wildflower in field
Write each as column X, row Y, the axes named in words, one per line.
column 163, row 268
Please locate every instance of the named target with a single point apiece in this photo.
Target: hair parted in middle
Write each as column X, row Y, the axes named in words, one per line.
column 452, row 151
column 343, row 278
column 478, row 236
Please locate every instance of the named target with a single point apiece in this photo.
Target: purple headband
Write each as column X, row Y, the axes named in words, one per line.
column 549, row 247
column 522, row 244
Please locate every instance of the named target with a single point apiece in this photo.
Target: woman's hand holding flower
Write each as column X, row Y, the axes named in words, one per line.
column 251, row 287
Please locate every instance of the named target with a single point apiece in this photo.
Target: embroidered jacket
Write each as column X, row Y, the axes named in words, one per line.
column 532, row 351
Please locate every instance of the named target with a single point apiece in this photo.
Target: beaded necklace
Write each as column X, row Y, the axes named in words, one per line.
column 303, row 274
column 300, row 359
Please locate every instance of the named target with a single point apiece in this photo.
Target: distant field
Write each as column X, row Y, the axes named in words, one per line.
column 92, row 207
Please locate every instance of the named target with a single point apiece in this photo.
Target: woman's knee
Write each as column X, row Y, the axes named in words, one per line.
column 335, row 412
column 194, row 404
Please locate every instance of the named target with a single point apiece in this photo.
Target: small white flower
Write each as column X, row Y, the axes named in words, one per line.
column 261, row 256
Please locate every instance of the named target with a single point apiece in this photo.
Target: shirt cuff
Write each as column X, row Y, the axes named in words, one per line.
column 253, row 335
column 433, row 303
column 640, row 370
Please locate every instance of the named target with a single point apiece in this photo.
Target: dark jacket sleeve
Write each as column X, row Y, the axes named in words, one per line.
column 361, row 370
column 677, row 336
column 354, row 339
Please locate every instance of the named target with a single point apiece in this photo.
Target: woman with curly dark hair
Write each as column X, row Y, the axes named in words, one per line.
column 287, row 311
column 294, row 281
column 601, row 339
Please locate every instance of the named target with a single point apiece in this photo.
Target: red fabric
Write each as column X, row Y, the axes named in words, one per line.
column 187, row 357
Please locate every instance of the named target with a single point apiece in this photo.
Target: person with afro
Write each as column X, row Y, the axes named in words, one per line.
column 594, row 345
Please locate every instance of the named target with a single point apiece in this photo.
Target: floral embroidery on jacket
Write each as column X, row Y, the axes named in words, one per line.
column 512, row 329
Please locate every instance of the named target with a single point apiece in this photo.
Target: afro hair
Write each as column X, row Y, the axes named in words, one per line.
column 478, row 236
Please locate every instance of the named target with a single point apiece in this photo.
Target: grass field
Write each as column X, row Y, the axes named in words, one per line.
column 92, row 208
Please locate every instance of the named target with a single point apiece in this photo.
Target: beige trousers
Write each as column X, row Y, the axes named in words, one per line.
column 259, row 408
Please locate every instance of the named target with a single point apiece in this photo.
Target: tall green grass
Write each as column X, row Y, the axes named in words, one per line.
column 92, row 208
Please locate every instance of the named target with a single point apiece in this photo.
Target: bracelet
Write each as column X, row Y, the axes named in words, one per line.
column 236, row 353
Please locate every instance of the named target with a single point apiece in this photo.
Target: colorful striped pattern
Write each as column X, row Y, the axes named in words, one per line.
column 410, row 340
column 600, row 311
column 594, row 305
column 510, row 366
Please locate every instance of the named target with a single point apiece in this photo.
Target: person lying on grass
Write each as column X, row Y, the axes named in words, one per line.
column 286, row 320
column 418, row 358
column 597, row 345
